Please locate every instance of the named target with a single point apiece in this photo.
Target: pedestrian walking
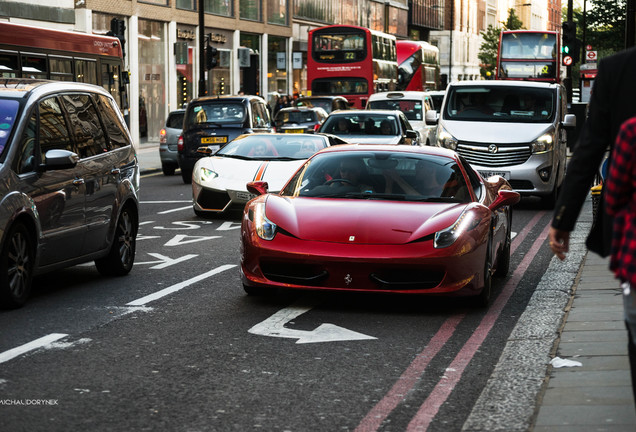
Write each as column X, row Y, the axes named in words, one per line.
column 611, row 104
column 620, row 203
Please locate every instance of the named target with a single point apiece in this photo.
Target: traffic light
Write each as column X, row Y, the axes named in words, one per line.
column 118, row 29
column 570, row 43
column 211, row 60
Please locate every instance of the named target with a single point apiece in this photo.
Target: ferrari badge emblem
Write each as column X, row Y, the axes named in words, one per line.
column 348, row 279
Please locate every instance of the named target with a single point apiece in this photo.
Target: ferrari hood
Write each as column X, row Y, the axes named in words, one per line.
column 360, row 221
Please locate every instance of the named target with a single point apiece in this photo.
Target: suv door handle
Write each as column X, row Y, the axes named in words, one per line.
column 78, row 182
column 115, row 171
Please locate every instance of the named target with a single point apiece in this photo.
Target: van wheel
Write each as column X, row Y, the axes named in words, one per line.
column 549, row 201
column 121, row 257
column 17, row 260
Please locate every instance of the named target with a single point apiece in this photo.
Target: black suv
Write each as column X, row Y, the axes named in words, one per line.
column 69, row 181
column 215, row 121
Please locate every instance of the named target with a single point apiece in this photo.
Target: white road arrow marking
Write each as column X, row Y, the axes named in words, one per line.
column 164, row 261
column 226, row 226
column 274, row 326
column 180, row 239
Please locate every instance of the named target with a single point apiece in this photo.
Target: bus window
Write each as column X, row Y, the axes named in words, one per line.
column 34, row 67
column 61, row 68
column 8, row 65
column 86, row 71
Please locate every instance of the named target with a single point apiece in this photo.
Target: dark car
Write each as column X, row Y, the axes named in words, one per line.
column 168, row 140
column 214, row 121
column 69, row 181
column 299, row 120
column 328, row 103
column 371, row 126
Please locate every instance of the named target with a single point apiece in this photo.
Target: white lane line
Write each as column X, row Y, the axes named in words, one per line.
column 38, row 343
column 177, row 287
column 166, row 202
column 175, row 210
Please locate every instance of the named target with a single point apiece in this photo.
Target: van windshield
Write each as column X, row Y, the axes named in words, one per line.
column 412, row 108
column 501, row 104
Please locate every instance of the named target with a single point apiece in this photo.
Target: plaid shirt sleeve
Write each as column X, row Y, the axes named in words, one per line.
column 619, row 187
column 620, row 202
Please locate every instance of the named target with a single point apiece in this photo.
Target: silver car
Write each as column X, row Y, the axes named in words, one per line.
column 69, row 181
column 168, row 139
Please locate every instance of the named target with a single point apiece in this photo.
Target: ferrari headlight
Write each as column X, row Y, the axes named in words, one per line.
column 207, row 174
column 446, row 140
column 446, row 237
column 265, row 228
column 543, row 144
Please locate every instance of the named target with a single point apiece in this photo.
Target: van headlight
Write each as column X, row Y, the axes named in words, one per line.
column 544, row 143
column 446, row 140
column 265, row 228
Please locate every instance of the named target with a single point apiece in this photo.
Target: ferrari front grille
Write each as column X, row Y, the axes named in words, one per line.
column 297, row 274
column 404, row 279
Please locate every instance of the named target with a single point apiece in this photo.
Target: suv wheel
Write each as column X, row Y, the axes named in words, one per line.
column 17, row 259
column 186, row 176
column 121, row 257
column 168, row 169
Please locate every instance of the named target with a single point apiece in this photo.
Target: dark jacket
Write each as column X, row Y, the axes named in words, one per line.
column 613, row 101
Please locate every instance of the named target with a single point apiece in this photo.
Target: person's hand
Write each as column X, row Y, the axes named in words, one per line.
column 559, row 242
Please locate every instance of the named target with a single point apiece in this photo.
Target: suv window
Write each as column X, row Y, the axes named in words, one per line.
column 113, row 123
column 25, row 160
column 87, row 129
column 175, row 120
column 53, row 130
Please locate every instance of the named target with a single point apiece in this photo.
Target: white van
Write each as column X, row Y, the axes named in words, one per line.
column 515, row 129
column 414, row 104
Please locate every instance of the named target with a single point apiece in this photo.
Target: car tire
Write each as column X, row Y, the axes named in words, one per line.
column 17, row 261
column 186, row 176
column 168, row 169
column 486, row 292
column 121, row 257
column 503, row 260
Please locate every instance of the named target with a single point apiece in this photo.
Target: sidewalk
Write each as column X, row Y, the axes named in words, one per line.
column 148, row 156
column 596, row 396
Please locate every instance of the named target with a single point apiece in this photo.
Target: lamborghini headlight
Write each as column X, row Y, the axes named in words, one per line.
column 207, row 174
column 446, row 140
column 446, row 237
column 544, row 143
column 265, row 228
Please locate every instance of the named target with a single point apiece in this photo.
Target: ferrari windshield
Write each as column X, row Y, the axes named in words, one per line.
column 500, row 104
column 380, row 175
column 273, row 146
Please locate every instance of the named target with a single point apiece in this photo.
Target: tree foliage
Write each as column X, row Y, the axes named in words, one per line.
column 605, row 26
column 488, row 50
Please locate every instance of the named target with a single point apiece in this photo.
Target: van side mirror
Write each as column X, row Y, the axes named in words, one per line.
column 431, row 117
column 569, row 121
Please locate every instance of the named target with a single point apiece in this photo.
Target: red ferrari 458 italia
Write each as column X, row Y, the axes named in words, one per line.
column 399, row 219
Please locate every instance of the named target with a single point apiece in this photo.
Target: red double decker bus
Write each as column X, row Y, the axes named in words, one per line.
column 350, row 61
column 418, row 66
column 529, row 55
column 36, row 52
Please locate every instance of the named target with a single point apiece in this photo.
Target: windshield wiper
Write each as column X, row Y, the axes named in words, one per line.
column 373, row 195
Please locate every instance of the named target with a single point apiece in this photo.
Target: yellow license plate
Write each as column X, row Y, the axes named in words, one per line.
column 213, row 140
column 293, row 131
